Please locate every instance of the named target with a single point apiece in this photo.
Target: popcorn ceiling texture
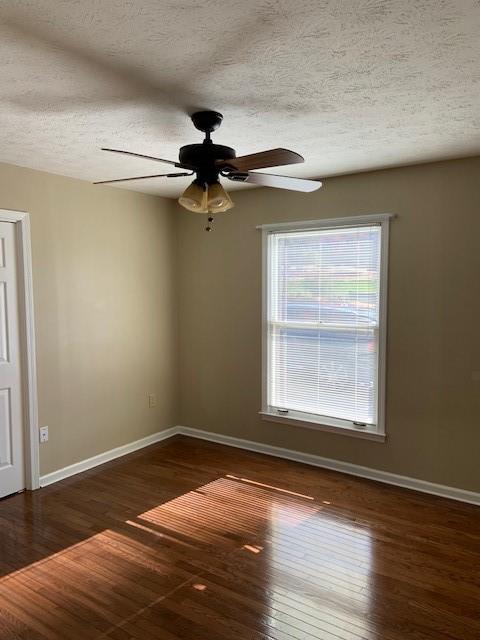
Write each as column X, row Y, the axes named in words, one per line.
column 350, row 84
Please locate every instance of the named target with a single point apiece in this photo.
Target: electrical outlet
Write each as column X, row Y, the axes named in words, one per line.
column 152, row 400
column 43, row 434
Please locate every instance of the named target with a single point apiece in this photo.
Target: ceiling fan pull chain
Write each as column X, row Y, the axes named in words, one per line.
column 210, row 222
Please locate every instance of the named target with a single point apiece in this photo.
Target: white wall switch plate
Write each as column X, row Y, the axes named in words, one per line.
column 152, row 400
column 43, row 434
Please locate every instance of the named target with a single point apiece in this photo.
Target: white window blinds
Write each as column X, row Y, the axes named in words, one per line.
column 322, row 322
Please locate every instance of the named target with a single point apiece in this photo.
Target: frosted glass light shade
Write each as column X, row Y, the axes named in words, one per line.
column 218, row 200
column 194, row 198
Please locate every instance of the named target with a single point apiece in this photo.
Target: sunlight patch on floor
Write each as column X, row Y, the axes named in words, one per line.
column 322, row 572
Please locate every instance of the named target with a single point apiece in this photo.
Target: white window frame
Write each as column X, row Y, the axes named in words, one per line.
column 323, row 423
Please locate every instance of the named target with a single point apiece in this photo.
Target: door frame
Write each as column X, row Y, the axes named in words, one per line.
column 21, row 220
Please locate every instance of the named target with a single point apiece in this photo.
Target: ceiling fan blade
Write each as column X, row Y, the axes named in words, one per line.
column 262, row 160
column 158, row 175
column 140, row 155
column 278, row 182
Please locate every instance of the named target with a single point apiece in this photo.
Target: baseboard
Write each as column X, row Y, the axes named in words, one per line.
column 101, row 458
column 453, row 493
column 297, row 456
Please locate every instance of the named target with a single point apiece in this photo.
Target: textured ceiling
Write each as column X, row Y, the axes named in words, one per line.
column 349, row 84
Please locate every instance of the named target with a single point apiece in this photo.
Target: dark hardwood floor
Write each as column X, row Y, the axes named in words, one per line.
column 196, row 541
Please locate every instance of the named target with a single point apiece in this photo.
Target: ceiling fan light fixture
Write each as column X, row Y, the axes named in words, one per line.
column 218, row 200
column 194, row 198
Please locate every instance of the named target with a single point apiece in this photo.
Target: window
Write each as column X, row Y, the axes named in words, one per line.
column 324, row 324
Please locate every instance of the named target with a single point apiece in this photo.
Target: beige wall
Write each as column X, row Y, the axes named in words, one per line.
column 105, row 310
column 433, row 400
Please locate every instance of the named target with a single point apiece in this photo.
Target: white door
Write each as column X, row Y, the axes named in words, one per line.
column 12, row 467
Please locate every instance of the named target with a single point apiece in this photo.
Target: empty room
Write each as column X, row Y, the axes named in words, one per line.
column 239, row 320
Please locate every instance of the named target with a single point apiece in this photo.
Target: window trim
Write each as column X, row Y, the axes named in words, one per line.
column 300, row 419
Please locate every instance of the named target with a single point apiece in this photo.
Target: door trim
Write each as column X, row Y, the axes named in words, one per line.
column 21, row 219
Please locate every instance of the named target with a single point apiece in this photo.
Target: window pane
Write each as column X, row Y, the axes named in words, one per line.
column 329, row 276
column 323, row 321
column 326, row 372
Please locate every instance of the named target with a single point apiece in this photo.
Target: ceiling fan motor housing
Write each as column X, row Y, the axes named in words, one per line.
column 203, row 157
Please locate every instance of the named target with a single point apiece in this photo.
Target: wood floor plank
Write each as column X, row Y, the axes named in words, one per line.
column 189, row 540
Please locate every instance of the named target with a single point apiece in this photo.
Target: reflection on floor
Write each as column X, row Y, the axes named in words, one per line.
column 195, row 541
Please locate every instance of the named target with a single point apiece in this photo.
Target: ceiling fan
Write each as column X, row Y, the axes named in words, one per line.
column 209, row 161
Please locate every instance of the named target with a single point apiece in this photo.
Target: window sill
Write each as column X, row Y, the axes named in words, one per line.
column 366, row 434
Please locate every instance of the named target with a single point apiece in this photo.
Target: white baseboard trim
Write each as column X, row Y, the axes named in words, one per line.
column 101, row 458
column 297, row 456
column 336, row 465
